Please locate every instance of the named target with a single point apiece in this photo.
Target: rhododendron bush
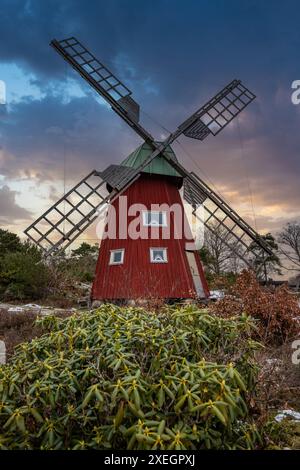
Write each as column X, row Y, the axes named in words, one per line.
column 127, row 378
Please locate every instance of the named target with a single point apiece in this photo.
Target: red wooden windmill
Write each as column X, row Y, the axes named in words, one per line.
column 152, row 264
column 156, row 264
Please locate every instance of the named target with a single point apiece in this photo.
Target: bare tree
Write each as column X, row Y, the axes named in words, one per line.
column 289, row 238
column 217, row 253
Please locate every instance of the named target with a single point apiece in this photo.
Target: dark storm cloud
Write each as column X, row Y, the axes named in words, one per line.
column 183, row 46
column 10, row 211
column 38, row 134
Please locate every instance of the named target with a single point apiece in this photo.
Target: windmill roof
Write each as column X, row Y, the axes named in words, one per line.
column 158, row 166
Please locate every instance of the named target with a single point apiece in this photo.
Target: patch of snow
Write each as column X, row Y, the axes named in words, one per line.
column 47, row 311
column 216, row 295
column 15, row 309
column 34, row 307
column 287, row 414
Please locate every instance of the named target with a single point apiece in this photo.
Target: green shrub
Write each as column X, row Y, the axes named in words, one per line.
column 125, row 378
column 81, row 269
column 23, row 276
column 9, row 242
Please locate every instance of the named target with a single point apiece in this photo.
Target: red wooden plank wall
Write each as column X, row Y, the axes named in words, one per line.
column 137, row 277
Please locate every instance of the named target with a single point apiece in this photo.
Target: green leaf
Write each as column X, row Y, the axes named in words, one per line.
column 161, row 397
column 180, row 404
column 120, row 415
column 161, row 427
column 218, row 414
column 136, row 398
column 20, row 423
column 36, row 415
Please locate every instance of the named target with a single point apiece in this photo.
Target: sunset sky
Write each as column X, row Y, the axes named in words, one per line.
column 174, row 55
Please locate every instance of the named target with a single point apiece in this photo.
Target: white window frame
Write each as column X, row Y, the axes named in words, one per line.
column 111, row 256
column 155, row 248
column 164, row 217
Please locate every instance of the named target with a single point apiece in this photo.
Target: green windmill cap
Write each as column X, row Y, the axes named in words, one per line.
column 158, row 166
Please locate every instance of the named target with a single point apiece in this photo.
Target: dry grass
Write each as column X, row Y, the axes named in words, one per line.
column 278, row 385
column 16, row 328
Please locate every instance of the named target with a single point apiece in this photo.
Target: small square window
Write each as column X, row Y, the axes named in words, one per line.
column 158, row 255
column 116, row 256
column 154, row 219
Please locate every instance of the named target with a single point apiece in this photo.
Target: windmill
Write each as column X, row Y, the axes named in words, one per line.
column 130, row 268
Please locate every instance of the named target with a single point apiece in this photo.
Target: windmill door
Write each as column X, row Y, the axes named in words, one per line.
column 195, row 273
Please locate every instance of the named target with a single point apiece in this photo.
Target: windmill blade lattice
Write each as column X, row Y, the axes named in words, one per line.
column 71, row 215
column 217, row 113
column 61, row 224
column 235, row 232
column 103, row 81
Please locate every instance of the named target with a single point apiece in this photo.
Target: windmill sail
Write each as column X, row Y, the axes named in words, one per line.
column 103, row 81
column 61, row 224
column 220, row 219
column 218, row 112
column 72, row 214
